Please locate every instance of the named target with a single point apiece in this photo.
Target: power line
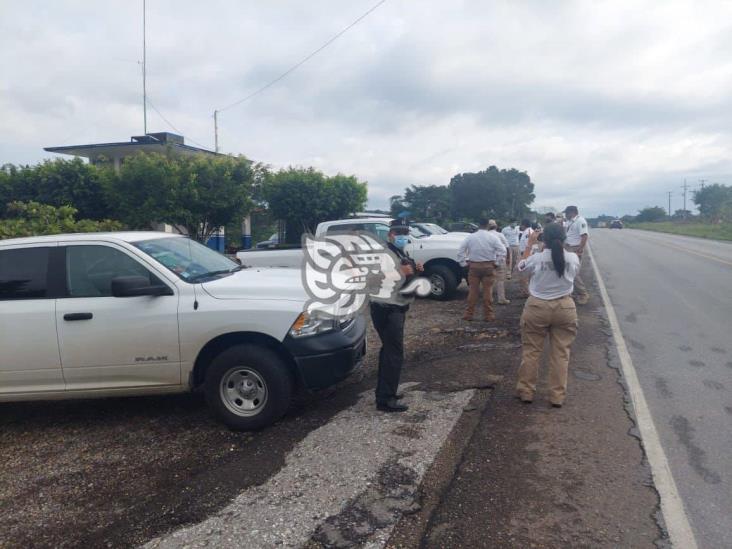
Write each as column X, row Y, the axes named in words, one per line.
column 304, row 59
column 169, row 123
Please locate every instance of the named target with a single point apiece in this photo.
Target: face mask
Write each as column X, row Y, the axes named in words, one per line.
column 400, row 241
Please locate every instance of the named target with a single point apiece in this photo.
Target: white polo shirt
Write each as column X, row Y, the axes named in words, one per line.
column 525, row 234
column 575, row 229
column 545, row 282
column 482, row 245
column 511, row 234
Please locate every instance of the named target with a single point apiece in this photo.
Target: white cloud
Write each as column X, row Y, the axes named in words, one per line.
column 604, row 104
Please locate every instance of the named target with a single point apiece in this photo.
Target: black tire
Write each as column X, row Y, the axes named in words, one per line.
column 443, row 280
column 257, row 370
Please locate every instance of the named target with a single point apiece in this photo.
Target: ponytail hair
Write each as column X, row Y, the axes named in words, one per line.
column 554, row 236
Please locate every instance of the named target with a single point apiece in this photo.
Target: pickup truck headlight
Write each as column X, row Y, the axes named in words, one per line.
column 309, row 324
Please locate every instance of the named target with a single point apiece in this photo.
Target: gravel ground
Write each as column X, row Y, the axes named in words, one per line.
column 160, row 470
column 120, row 472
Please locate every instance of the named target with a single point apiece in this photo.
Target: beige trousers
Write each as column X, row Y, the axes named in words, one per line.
column 515, row 257
column 500, row 281
column 557, row 319
column 579, row 285
column 480, row 272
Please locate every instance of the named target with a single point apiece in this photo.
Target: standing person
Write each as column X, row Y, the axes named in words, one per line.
column 525, row 233
column 503, row 264
column 577, row 236
column 511, row 232
column 550, row 311
column 388, row 318
column 479, row 251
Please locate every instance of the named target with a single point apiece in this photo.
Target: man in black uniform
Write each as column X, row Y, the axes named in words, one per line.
column 388, row 318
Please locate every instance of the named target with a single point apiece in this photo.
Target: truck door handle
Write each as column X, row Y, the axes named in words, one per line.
column 78, row 316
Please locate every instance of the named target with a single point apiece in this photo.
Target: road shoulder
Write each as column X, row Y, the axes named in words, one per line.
column 534, row 476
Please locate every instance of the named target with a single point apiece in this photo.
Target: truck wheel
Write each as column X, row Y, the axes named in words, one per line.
column 443, row 281
column 248, row 387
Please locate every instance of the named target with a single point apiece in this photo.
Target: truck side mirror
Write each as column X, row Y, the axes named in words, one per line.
column 133, row 286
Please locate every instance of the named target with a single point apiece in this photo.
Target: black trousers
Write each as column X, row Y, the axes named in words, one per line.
column 389, row 324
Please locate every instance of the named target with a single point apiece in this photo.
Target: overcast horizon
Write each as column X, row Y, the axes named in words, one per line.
column 607, row 105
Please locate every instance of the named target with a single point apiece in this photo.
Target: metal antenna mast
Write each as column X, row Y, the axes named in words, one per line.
column 144, row 68
column 669, row 202
column 216, row 131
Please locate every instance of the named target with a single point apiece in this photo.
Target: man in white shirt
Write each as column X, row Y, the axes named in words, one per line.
column 577, row 236
column 503, row 264
column 511, row 232
column 480, row 251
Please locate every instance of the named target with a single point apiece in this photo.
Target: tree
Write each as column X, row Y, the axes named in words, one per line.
column 500, row 194
column 304, row 197
column 682, row 214
column 57, row 183
column 713, row 201
column 6, row 189
column 650, row 214
column 426, row 203
column 33, row 219
column 196, row 194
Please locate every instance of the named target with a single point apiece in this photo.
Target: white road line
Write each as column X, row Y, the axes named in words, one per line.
column 672, row 507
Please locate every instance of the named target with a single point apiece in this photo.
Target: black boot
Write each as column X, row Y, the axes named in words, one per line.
column 391, row 405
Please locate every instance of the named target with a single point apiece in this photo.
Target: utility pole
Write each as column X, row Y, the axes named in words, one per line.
column 144, row 68
column 669, row 193
column 685, row 187
column 216, row 131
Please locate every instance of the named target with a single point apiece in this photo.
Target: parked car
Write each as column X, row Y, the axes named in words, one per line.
column 616, row 224
column 97, row 315
column 269, row 243
column 463, row 226
column 433, row 229
column 437, row 253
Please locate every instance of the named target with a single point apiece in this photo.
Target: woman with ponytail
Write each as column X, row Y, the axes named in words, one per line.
column 549, row 311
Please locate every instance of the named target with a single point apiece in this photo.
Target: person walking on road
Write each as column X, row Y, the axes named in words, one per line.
column 549, row 311
column 479, row 251
column 511, row 232
column 577, row 236
column 503, row 264
column 388, row 318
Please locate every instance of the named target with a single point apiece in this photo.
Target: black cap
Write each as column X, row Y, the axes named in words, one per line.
column 571, row 209
column 399, row 226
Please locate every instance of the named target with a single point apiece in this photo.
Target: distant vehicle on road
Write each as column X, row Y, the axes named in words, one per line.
column 438, row 253
column 616, row 224
column 463, row 226
column 139, row 313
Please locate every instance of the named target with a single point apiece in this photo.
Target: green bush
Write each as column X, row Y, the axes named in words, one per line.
column 34, row 219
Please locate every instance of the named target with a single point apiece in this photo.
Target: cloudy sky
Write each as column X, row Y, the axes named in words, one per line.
column 606, row 104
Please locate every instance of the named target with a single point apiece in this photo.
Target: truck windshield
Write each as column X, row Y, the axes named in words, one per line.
column 188, row 259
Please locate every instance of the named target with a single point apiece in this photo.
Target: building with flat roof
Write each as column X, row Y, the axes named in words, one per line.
column 161, row 142
column 115, row 153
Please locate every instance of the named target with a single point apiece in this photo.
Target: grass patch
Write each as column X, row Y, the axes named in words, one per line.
column 722, row 231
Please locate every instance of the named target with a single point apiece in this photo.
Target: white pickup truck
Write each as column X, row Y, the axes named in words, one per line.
column 438, row 254
column 97, row 315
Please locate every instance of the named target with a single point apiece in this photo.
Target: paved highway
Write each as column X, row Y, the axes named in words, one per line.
column 673, row 299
